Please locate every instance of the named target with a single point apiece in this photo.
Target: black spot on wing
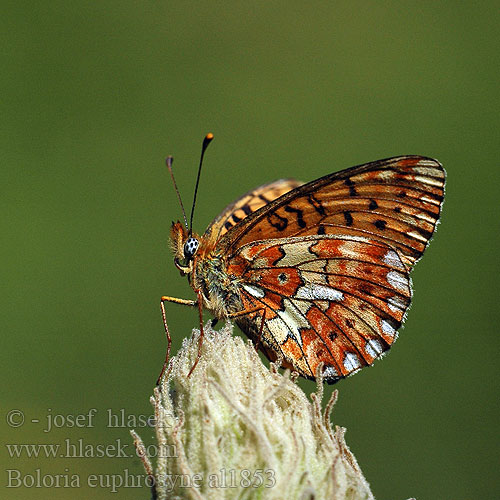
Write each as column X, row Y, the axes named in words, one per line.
column 380, row 224
column 246, row 209
column 282, row 254
column 348, row 218
column 278, row 222
column 373, row 205
column 300, row 215
column 352, row 190
column 282, row 278
column 316, row 204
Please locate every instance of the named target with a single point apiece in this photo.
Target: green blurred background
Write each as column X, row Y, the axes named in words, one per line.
column 94, row 95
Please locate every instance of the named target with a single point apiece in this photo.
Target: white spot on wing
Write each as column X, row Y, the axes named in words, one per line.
column 426, row 217
column 397, row 280
column 288, row 324
column 391, row 258
column 313, row 265
column 313, row 291
column 429, row 181
column 278, row 329
column 330, row 372
column 429, row 199
column 351, row 362
column 396, row 304
column 387, row 328
column 361, row 239
column 431, row 169
column 417, row 236
column 294, row 253
column 373, row 347
column 302, row 306
column 253, row 290
column 384, row 174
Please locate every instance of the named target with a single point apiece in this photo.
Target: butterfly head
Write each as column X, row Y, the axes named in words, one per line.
column 184, row 247
column 182, row 240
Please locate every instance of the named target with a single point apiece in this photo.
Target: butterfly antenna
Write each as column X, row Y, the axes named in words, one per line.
column 169, row 162
column 206, row 141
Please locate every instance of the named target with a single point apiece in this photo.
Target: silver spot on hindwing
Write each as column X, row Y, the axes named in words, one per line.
column 387, row 328
column 373, row 347
column 313, row 291
column 397, row 280
column 391, row 258
column 396, row 304
column 254, row 291
column 351, row 362
column 330, row 372
column 289, row 321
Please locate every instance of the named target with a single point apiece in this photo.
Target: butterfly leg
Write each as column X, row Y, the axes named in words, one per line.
column 199, row 302
column 164, row 299
column 262, row 321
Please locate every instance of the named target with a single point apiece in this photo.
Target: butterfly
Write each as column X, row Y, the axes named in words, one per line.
column 316, row 273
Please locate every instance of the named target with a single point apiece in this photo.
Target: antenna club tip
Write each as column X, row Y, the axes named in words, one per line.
column 209, row 136
column 169, row 160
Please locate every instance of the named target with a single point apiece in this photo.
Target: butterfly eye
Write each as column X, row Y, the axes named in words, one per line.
column 190, row 247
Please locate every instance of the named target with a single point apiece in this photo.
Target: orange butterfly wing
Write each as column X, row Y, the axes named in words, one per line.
column 248, row 204
column 396, row 201
column 335, row 300
column 328, row 262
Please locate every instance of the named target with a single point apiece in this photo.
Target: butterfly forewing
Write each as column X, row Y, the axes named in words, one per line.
column 396, row 201
column 248, row 204
column 335, row 300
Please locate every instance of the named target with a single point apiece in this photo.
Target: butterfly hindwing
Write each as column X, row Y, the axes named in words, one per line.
column 335, row 300
column 395, row 201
